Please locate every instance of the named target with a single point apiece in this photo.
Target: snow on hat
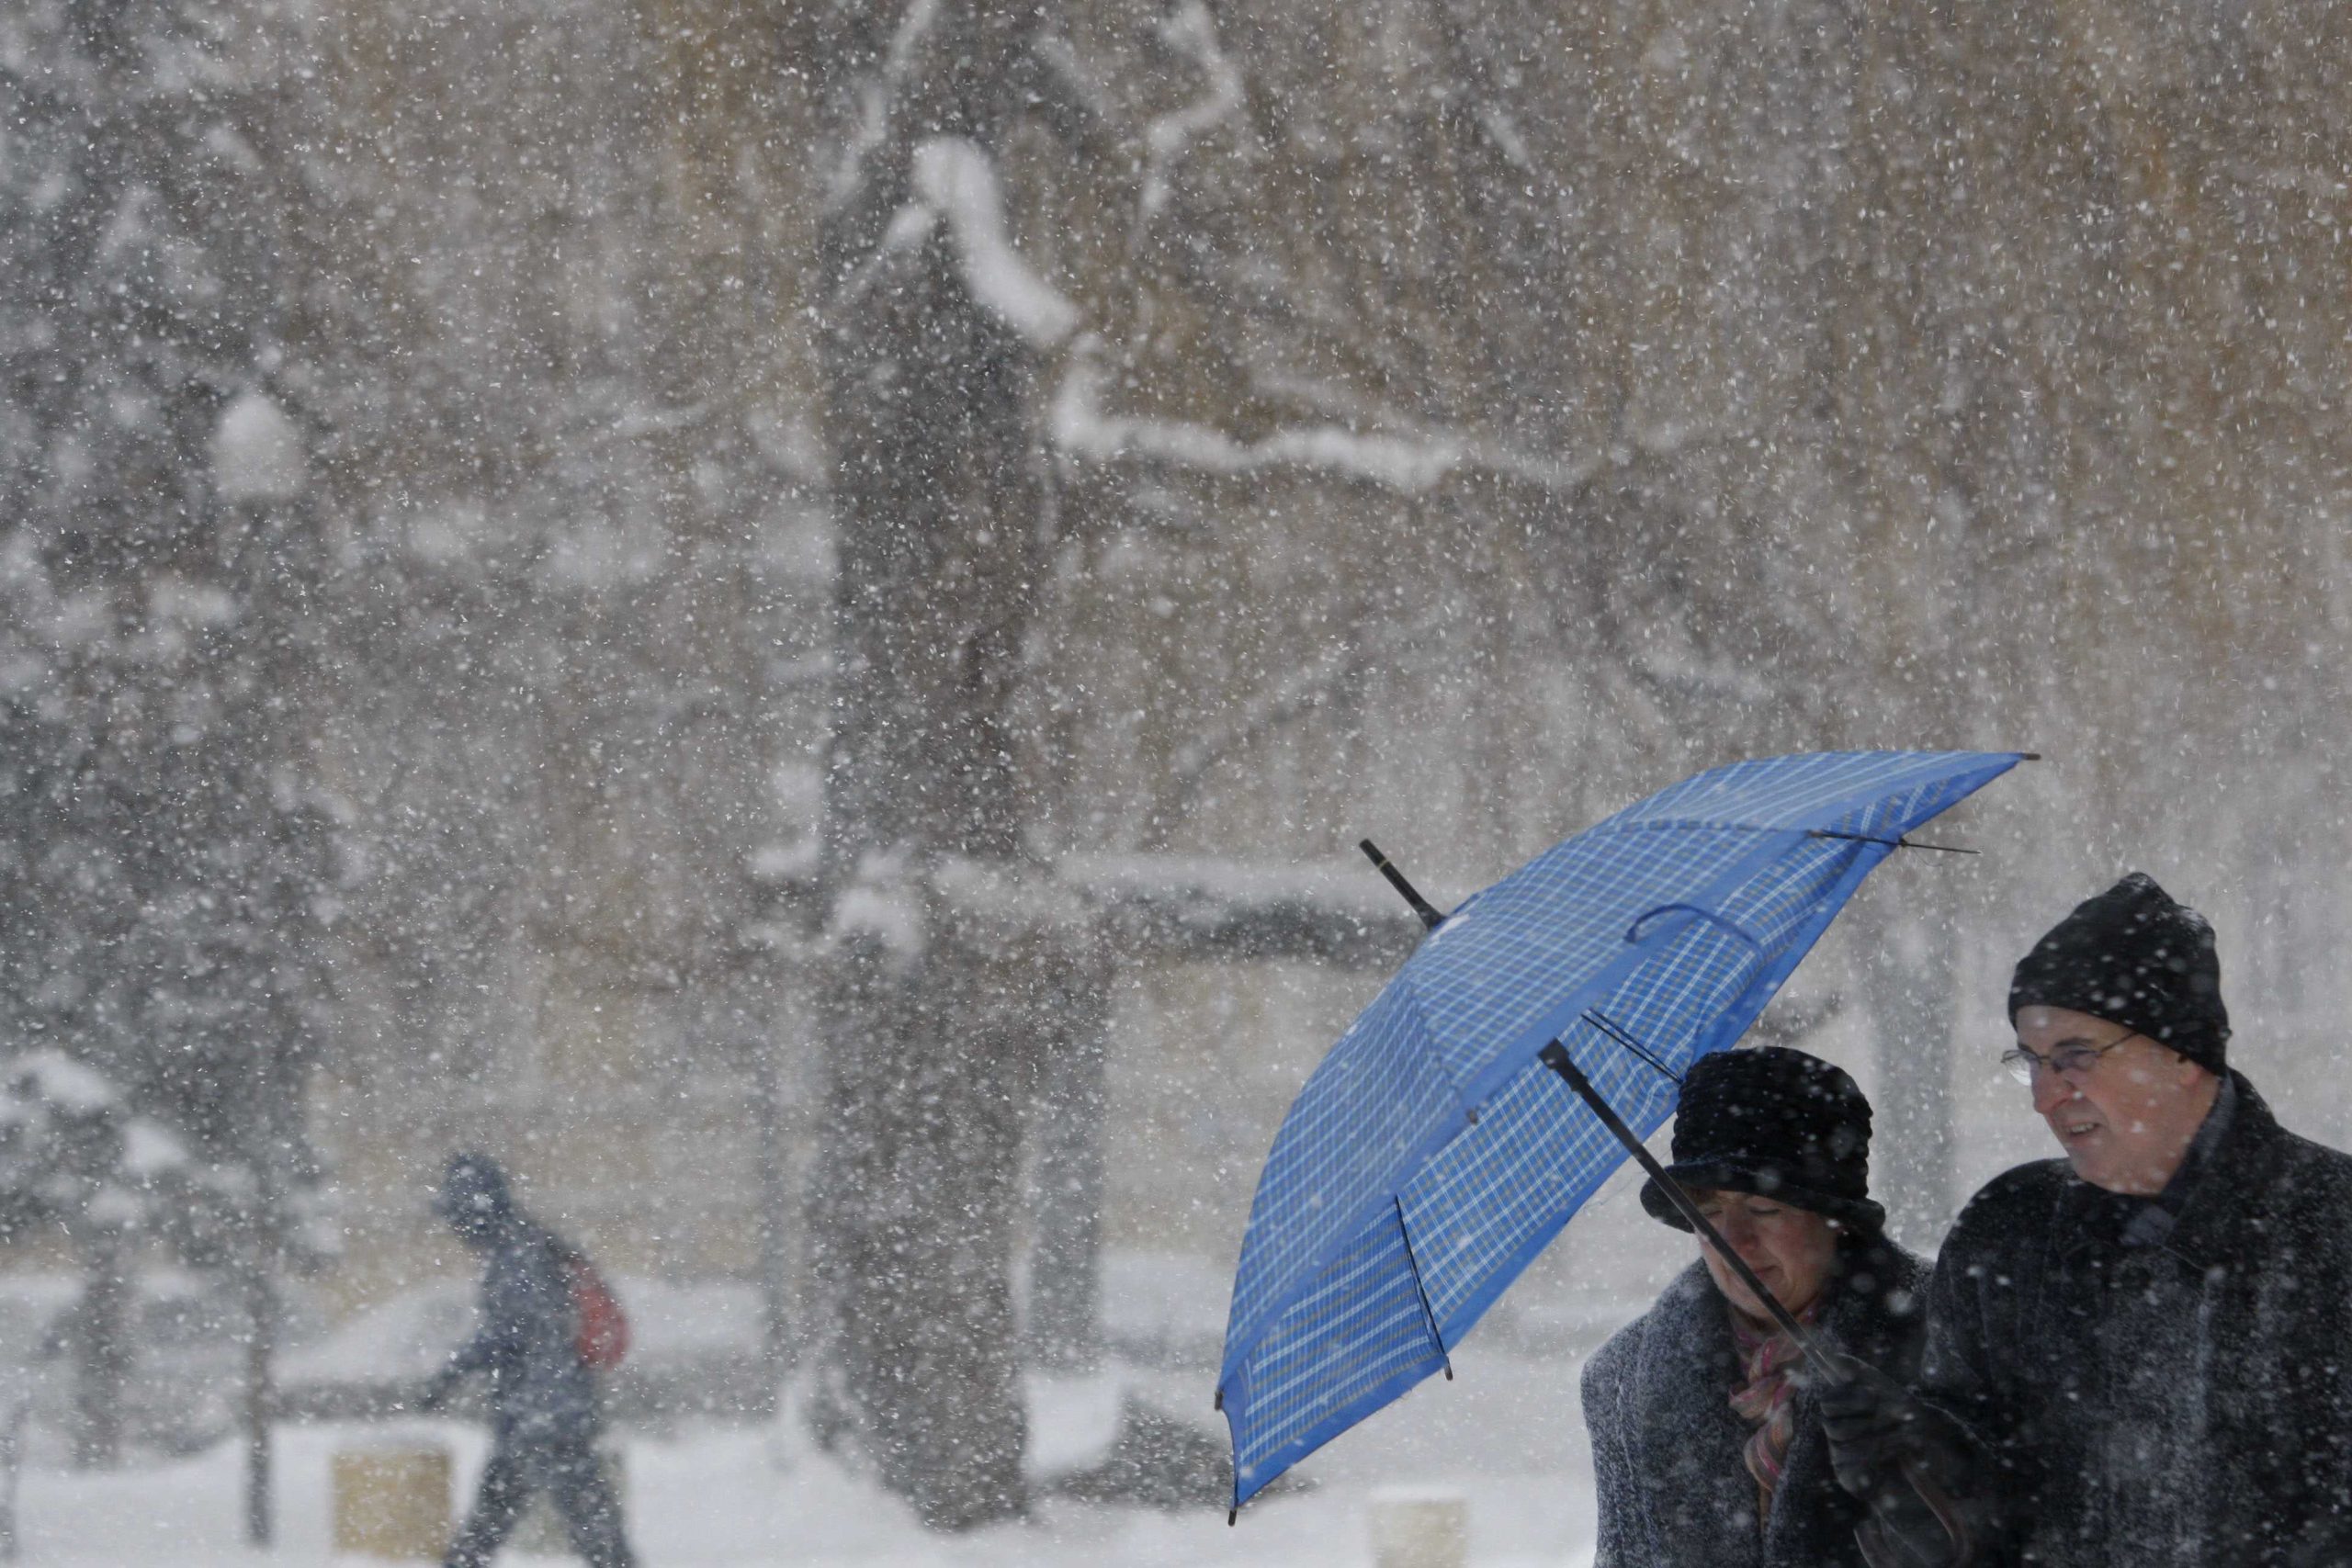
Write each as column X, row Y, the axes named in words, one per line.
column 1776, row 1123
column 2133, row 956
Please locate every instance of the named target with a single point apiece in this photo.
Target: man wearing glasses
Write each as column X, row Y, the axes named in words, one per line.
column 2141, row 1353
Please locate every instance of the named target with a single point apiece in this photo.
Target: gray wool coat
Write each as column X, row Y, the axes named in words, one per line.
column 2183, row 1403
column 1674, row 1489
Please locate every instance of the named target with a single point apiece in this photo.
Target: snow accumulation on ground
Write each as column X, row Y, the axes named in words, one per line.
column 1507, row 1437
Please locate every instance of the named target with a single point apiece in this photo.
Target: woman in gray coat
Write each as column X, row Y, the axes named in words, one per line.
column 1706, row 1447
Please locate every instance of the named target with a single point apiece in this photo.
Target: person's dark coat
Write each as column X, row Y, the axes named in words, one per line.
column 542, row 1396
column 2186, row 1401
column 526, row 1343
column 1674, row 1488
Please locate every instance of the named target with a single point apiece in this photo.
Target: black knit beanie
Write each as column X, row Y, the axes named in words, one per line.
column 2133, row 956
column 1779, row 1124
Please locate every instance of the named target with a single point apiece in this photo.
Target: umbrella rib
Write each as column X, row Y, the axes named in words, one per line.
column 1405, row 1233
column 1685, row 824
column 1902, row 844
column 1610, row 1027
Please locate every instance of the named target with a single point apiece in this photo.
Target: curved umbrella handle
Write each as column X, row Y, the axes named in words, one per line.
column 1946, row 1513
column 1642, row 920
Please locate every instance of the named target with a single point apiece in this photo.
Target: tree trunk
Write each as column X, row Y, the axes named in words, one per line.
column 931, row 1030
column 1065, row 1327
column 261, row 1300
column 102, row 1351
column 775, row 1272
column 926, row 1106
column 260, row 1254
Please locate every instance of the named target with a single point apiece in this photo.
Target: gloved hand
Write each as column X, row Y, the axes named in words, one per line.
column 1874, row 1424
column 1905, row 1463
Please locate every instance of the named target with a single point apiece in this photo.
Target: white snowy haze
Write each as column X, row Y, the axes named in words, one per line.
column 785, row 616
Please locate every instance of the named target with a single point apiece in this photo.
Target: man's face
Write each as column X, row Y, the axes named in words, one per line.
column 2126, row 1114
column 1790, row 1249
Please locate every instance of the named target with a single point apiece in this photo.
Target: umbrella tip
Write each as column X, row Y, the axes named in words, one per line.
column 1230, row 1515
column 1422, row 906
column 2029, row 756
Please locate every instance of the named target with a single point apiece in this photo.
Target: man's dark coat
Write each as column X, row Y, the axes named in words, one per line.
column 1674, row 1487
column 2184, row 1403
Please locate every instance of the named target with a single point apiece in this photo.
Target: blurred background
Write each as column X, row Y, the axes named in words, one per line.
column 785, row 615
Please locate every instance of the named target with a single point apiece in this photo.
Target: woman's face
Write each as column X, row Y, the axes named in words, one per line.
column 1790, row 1249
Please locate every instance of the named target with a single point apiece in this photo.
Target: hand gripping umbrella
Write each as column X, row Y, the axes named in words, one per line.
column 1536, row 1036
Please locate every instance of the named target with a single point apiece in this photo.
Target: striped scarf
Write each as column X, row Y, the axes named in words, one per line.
column 1767, row 1400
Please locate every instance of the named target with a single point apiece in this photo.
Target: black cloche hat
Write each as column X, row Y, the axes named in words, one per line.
column 1777, row 1124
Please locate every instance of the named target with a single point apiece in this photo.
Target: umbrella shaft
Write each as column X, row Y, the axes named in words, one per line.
column 1555, row 1057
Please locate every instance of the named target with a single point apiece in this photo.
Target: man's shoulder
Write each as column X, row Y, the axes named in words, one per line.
column 1880, row 1313
column 1882, row 1278
column 2313, row 1172
column 2034, row 1181
column 2021, row 1195
column 1905, row 1270
column 2295, row 1167
column 2261, row 1125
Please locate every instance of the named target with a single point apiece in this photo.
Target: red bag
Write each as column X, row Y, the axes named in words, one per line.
column 602, row 1338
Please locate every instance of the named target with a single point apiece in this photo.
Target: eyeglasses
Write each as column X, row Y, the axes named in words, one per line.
column 2071, row 1061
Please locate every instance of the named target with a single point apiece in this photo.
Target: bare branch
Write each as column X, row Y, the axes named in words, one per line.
column 1191, row 31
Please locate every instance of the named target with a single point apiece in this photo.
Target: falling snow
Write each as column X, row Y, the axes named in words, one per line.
column 789, row 619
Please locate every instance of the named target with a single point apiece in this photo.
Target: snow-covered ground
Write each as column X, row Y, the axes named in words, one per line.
column 1507, row 1436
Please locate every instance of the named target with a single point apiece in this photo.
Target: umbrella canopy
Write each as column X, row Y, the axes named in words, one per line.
column 1432, row 1154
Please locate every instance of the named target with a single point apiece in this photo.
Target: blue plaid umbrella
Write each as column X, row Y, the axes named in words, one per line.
column 1436, row 1150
